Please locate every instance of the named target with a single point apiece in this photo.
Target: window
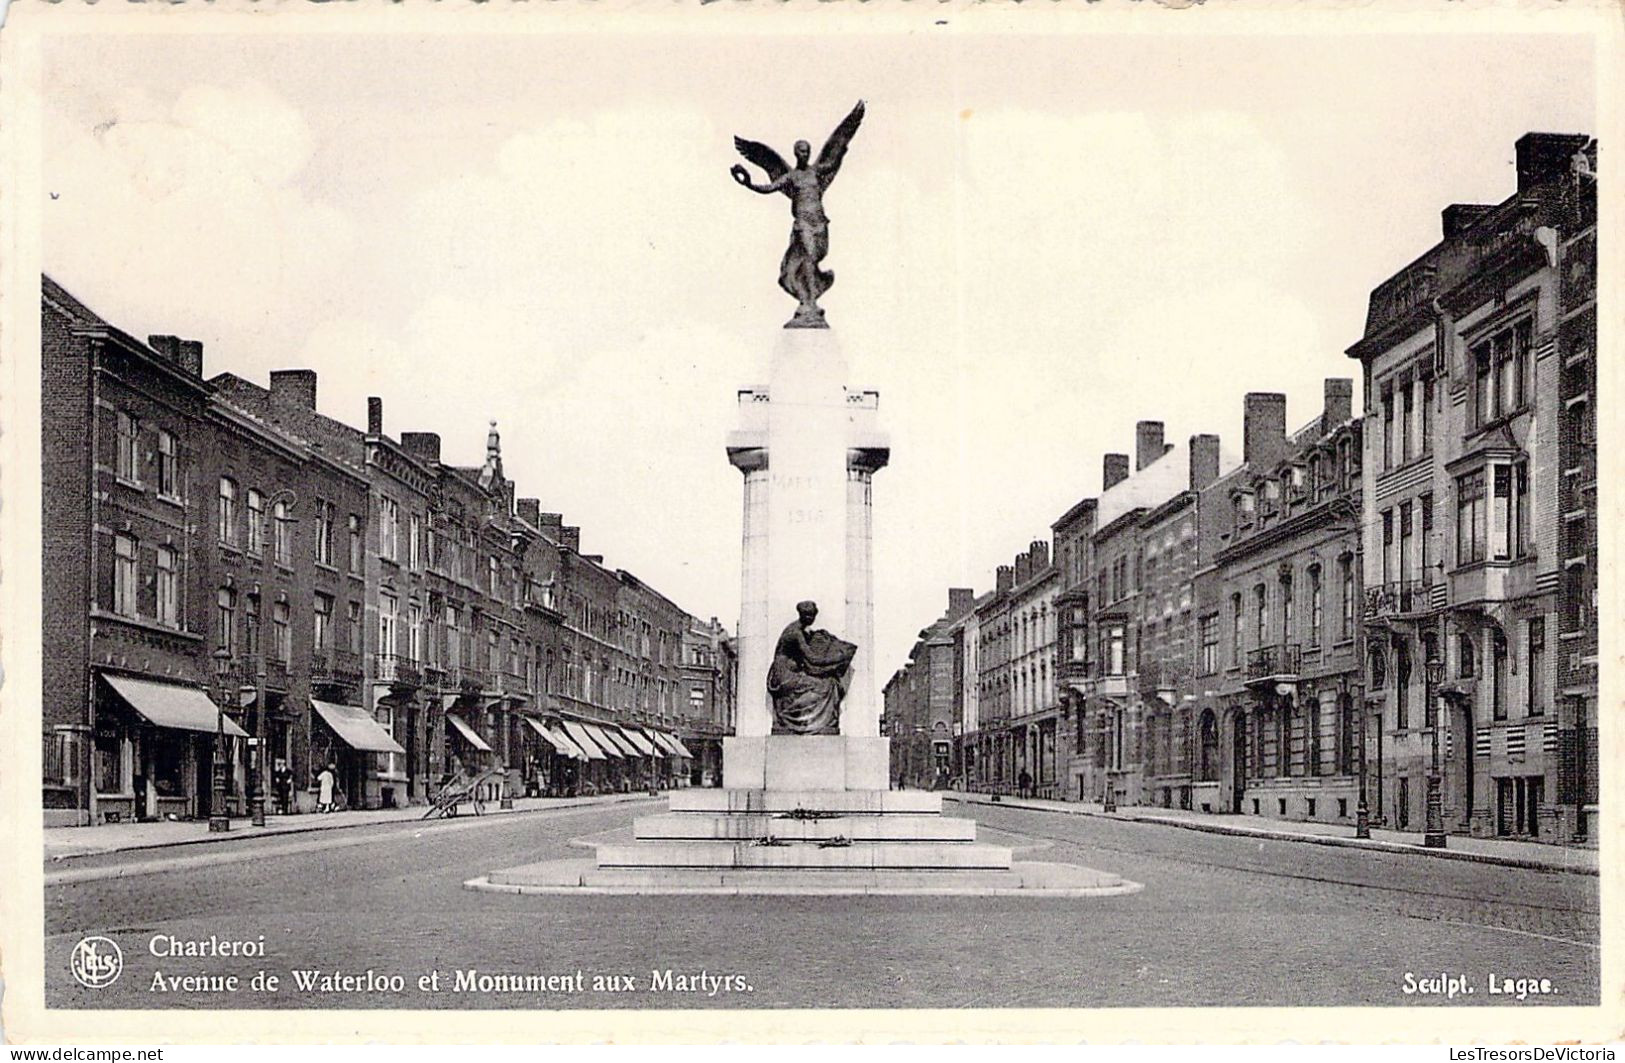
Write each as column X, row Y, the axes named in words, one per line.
column 1387, row 426
column 1235, row 629
column 1498, row 675
column 1286, row 607
column 282, row 529
column 128, row 456
column 1466, row 656
column 386, row 624
column 227, row 529
column 389, row 529
column 1315, row 605
column 169, row 596
column 251, row 626
column 256, row 522
column 1509, row 511
column 1111, row 649
column 1261, row 606
column 319, row 636
column 1345, row 576
column 354, row 617
column 1427, row 416
column 126, row 574
column 1425, row 506
column 414, row 542
column 1470, row 518
column 492, row 578
column 454, row 641
column 226, row 619
column 1346, row 735
column 1406, row 417
column 1535, row 665
column 1402, row 686
column 1407, row 542
column 169, row 479
column 1208, row 661
column 414, row 632
column 281, row 633
column 324, row 532
column 355, row 544
column 1379, row 670
column 1389, row 556
column 1502, row 378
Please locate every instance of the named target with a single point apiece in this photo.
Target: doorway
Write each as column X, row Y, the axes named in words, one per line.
column 1238, row 761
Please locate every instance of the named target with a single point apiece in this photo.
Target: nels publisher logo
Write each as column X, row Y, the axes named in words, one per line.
column 96, row 962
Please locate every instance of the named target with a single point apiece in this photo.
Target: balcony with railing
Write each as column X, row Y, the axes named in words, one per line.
column 398, row 671
column 335, row 666
column 1409, row 597
column 1273, row 664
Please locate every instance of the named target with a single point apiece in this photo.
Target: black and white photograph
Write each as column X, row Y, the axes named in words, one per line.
column 748, row 513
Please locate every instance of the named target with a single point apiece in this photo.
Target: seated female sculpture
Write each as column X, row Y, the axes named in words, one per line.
column 809, row 677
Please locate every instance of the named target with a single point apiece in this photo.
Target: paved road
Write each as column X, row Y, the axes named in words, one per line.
column 1222, row 920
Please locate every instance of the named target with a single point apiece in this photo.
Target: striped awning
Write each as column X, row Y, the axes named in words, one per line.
column 356, row 727
column 583, row 740
column 557, row 739
column 471, row 736
column 606, row 743
column 623, row 743
column 641, row 741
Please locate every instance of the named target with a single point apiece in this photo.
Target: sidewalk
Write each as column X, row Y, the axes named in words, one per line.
column 65, row 843
column 1575, row 859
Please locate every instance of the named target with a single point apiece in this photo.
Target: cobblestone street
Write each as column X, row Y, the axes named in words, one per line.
column 1222, row 920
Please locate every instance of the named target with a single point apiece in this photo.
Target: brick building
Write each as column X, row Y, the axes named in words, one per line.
column 1480, row 509
column 919, row 702
column 219, row 556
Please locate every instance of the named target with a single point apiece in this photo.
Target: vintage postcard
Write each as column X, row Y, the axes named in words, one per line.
column 810, row 522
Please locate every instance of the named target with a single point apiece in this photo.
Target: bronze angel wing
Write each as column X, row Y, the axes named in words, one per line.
column 834, row 150
column 763, row 156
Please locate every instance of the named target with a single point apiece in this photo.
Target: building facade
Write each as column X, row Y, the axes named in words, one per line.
column 233, row 577
column 1480, row 510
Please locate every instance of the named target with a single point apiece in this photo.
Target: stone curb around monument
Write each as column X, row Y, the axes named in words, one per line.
column 1117, row 886
column 1265, row 833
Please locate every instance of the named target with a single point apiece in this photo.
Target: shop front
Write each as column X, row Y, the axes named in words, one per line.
column 351, row 742
column 154, row 750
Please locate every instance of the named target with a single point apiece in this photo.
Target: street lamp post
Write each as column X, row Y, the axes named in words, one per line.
column 1433, row 670
column 219, row 822
column 256, row 747
column 1109, row 803
column 1362, row 811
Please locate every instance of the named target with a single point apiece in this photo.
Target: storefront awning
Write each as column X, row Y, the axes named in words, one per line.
column 622, row 743
column 672, row 744
column 641, row 741
column 448, row 700
column 578, row 734
column 471, row 736
column 171, row 705
column 357, row 727
column 557, row 739
column 680, row 749
column 605, row 742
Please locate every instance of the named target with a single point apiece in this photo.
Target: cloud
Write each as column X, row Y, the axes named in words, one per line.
column 193, row 211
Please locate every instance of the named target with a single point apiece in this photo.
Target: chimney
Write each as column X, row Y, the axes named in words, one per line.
column 375, row 416
column 552, row 522
column 1545, row 156
column 530, row 511
column 293, row 389
column 960, row 599
column 1339, row 405
column 167, row 346
column 424, row 446
column 1147, row 443
column 1024, row 568
column 191, row 356
column 1002, row 578
column 1039, row 552
column 1263, row 428
column 1459, row 216
column 1204, row 454
column 1114, row 471
column 570, row 538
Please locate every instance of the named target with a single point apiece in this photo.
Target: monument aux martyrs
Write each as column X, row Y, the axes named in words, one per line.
column 805, row 804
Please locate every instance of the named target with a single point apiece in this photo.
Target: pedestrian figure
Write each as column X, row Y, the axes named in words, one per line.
column 1025, row 780
column 282, row 784
column 324, row 789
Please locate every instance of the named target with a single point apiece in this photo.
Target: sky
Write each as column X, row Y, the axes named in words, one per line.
column 1037, row 241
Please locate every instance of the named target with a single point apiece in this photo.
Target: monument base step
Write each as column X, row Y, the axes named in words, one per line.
column 1020, row 879
column 748, row 826
column 804, row 855
column 839, row 802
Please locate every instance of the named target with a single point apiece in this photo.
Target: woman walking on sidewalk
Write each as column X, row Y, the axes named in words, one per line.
column 324, row 789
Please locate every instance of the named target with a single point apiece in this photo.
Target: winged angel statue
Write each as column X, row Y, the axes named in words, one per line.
column 799, row 272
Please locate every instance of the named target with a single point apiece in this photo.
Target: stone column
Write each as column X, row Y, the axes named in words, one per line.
column 860, row 715
column 755, row 651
